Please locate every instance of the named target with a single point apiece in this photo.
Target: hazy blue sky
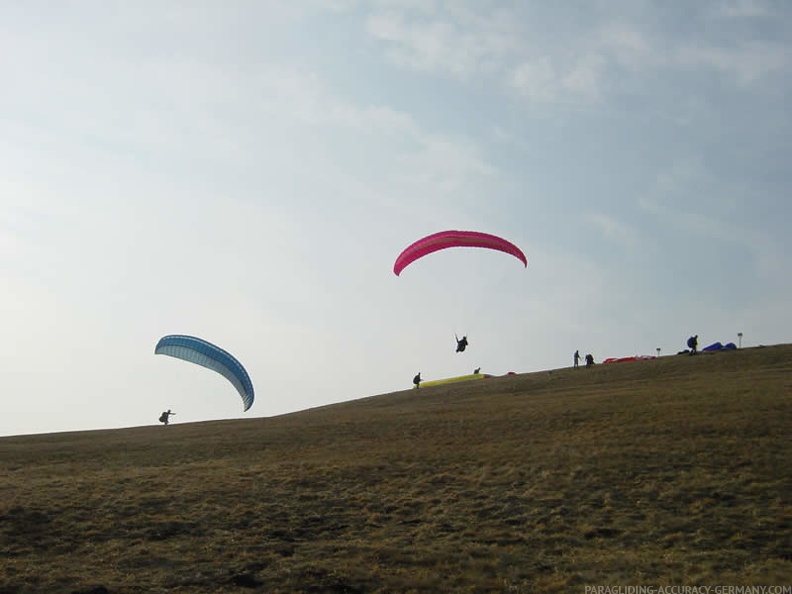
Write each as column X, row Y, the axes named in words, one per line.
column 247, row 172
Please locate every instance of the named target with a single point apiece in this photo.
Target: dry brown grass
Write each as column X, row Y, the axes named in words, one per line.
column 674, row 471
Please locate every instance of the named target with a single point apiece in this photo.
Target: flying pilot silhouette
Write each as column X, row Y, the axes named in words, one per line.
column 461, row 343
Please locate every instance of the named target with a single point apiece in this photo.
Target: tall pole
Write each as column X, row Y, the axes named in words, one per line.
column 739, row 339
column 658, row 351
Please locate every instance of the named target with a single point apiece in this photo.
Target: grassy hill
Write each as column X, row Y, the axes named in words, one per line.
column 675, row 471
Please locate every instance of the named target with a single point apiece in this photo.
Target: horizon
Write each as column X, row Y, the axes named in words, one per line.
column 402, row 391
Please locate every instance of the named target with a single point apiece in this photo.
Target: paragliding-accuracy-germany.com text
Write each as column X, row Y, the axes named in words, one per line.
column 688, row 590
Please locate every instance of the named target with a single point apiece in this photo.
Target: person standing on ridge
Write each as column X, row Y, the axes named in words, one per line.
column 417, row 380
column 577, row 359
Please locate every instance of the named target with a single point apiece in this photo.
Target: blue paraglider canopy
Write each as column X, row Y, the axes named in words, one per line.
column 198, row 351
column 717, row 346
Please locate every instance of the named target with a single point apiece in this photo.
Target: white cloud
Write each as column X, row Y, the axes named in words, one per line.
column 458, row 41
column 742, row 8
column 501, row 135
column 578, row 65
column 747, row 63
column 615, row 229
column 627, row 46
column 536, row 80
column 584, row 79
column 545, row 80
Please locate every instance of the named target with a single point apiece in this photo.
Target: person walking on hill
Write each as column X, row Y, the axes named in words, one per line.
column 417, row 380
column 165, row 416
column 576, row 357
column 692, row 343
column 589, row 360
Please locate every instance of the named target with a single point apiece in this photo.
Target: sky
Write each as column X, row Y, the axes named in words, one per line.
column 248, row 171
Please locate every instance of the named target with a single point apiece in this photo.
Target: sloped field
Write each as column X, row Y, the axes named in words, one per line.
column 676, row 471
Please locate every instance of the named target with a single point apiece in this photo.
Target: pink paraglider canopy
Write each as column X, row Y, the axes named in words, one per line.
column 448, row 239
